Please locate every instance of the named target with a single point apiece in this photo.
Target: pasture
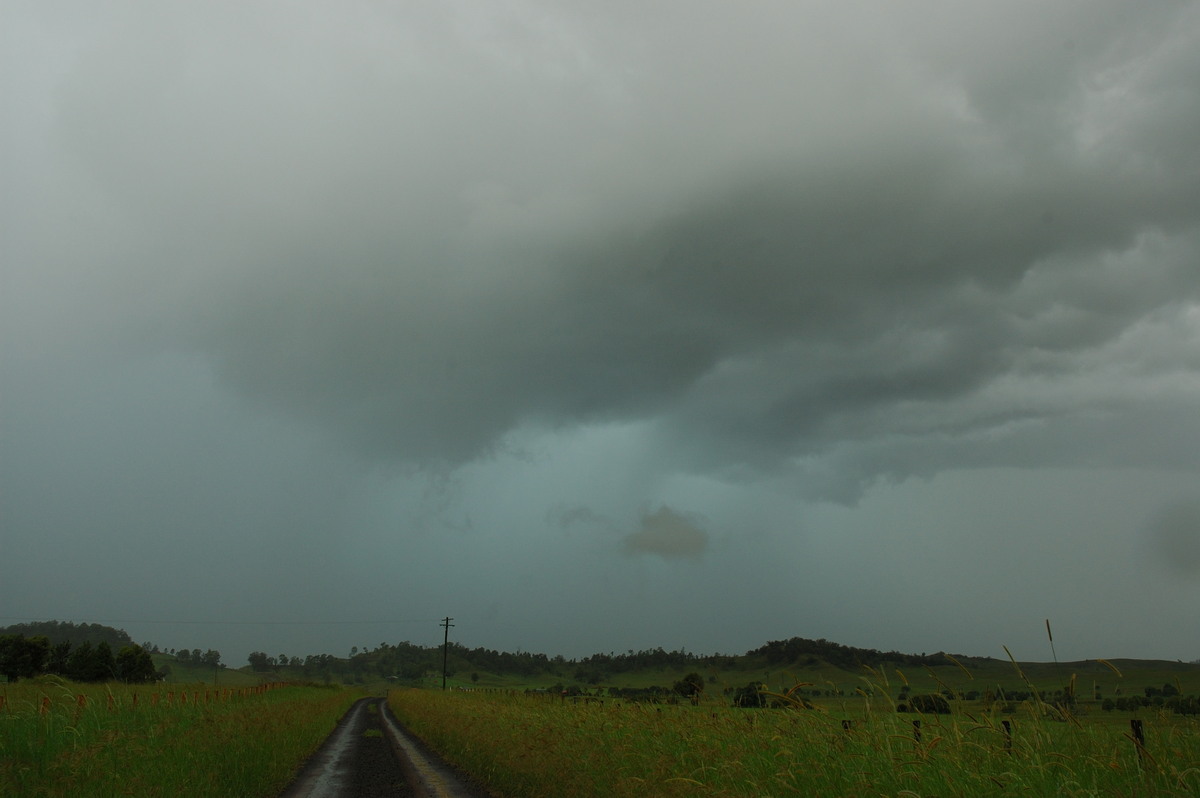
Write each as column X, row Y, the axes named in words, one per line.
column 544, row 745
column 58, row 738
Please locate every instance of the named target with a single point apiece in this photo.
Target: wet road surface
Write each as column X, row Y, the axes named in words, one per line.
column 368, row 755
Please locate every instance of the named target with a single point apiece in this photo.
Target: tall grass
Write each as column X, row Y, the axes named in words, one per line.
column 63, row 739
column 536, row 746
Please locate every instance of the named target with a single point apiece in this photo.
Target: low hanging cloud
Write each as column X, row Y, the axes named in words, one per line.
column 667, row 534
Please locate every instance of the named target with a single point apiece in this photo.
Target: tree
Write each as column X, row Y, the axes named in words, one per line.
column 79, row 663
column 104, row 664
column 88, row 664
column 60, row 654
column 259, row 661
column 23, row 657
column 135, row 666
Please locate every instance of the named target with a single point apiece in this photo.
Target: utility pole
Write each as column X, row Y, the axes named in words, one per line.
column 445, row 647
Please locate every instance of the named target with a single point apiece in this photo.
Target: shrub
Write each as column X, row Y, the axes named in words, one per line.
column 750, row 696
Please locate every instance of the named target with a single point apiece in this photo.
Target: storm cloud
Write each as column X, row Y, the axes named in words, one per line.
column 460, row 264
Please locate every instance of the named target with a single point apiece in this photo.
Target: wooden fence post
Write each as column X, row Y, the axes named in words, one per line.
column 1139, row 737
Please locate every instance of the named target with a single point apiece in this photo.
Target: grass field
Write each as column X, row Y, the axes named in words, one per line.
column 1092, row 677
column 238, row 737
column 58, row 738
column 186, row 673
column 854, row 744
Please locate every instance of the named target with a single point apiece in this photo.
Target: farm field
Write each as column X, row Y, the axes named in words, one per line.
column 59, row 738
column 181, row 673
column 1093, row 678
column 544, row 745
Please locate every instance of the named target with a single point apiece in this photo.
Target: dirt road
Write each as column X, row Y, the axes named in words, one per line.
column 369, row 755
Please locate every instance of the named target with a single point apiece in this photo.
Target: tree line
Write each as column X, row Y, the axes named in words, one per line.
column 74, row 633
column 407, row 661
column 803, row 650
column 24, row 657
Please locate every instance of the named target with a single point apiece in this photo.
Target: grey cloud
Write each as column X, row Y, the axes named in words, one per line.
column 569, row 230
column 350, row 276
column 568, row 517
column 669, row 534
column 1174, row 536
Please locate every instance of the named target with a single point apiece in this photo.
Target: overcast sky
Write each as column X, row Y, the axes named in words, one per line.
column 603, row 326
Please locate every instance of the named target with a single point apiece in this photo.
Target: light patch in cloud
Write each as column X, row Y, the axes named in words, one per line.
column 668, row 534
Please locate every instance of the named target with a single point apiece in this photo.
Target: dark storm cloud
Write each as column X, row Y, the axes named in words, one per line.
column 425, row 229
column 397, row 278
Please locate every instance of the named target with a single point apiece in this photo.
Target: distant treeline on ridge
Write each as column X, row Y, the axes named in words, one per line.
column 74, row 633
column 82, row 653
column 409, row 661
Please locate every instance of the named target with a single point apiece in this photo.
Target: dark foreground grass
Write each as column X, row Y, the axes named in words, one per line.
column 63, row 739
column 522, row 745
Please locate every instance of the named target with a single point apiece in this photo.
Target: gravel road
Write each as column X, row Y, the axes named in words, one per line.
column 369, row 754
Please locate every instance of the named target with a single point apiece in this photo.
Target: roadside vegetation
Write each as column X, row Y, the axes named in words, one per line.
column 62, row 738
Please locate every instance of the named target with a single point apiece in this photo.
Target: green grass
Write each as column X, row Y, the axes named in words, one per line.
column 186, row 673
column 523, row 745
column 1130, row 677
column 58, row 738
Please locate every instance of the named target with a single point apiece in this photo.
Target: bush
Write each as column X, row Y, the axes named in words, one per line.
column 750, row 696
column 690, row 686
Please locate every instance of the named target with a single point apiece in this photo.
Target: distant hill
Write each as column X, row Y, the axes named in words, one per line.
column 800, row 650
column 407, row 662
column 75, row 634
